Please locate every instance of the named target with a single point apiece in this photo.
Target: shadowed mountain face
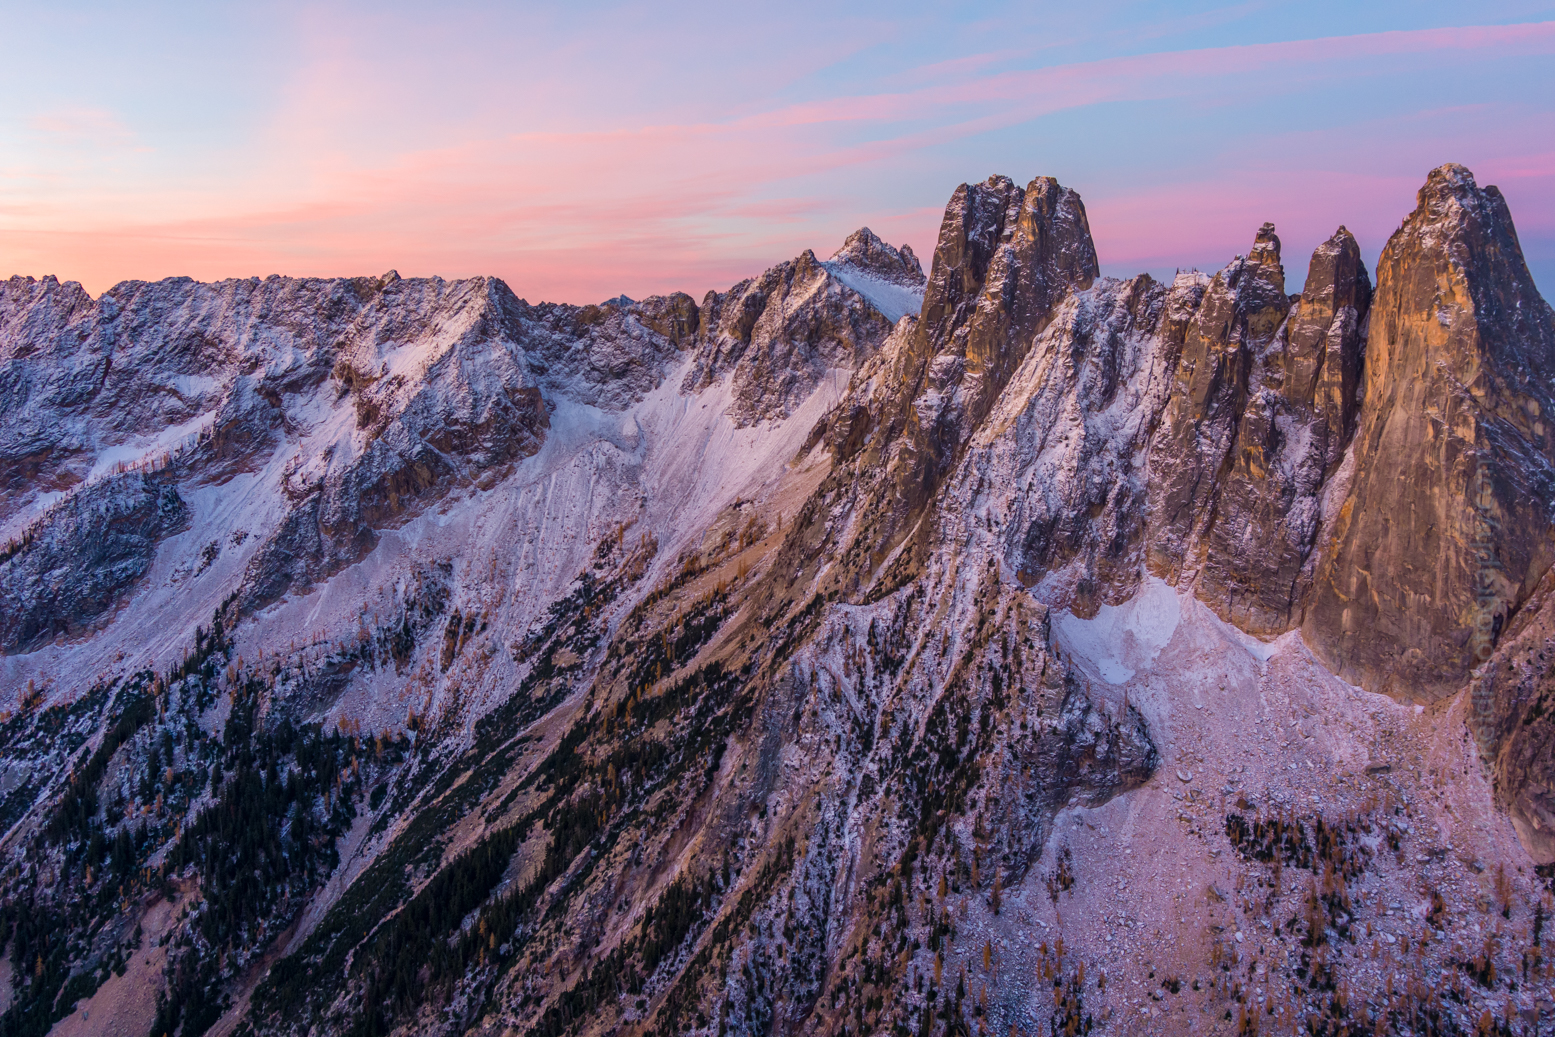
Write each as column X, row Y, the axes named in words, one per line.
column 856, row 651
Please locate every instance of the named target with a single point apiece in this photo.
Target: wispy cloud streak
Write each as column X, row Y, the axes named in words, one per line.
column 332, row 184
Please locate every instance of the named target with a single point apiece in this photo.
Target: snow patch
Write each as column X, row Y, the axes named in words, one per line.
column 1122, row 639
column 141, row 450
column 1263, row 651
column 894, row 301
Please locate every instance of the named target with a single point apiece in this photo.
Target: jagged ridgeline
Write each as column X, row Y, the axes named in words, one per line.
column 1007, row 649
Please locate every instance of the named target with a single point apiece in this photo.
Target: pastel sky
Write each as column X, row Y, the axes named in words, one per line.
column 584, row 150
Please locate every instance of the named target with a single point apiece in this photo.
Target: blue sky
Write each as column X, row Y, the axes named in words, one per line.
column 592, row 149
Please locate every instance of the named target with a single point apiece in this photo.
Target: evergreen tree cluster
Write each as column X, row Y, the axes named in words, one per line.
column 275, row 797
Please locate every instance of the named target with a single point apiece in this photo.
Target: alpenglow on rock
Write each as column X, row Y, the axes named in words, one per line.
column 853, row 652
column 1446, row 528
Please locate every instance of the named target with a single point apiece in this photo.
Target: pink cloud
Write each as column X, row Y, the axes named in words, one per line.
column 1205, row 222
column 94, row 126
column 689, row 204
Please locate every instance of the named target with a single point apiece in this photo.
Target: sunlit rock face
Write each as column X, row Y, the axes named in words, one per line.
column 855, row 651
column 1452, row 454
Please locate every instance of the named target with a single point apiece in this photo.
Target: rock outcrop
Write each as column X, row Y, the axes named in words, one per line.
column 865, row 253
column 84, row 557
column 775, row 337
column 619, row 351
column 1446, row 528
column 1297, row 416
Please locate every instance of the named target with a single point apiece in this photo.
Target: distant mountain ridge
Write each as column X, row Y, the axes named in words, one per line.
column 852, row 651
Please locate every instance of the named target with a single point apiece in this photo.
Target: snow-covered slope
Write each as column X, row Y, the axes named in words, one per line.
column 889, row 278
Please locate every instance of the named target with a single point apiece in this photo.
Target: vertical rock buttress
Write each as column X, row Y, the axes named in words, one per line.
column 1446, row 529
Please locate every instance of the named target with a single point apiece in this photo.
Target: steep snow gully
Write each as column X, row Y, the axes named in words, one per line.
column 1007, row 649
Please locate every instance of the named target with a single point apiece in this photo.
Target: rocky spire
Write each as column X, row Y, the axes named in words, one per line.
column 1446, row 528
column 1326, row 342
column 1243, row 309
column 1266, row 249
column 1005, row 259
column 1296, row 423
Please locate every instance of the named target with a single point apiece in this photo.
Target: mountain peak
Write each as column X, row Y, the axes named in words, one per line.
column 1266, row 248
column 1447, row 182
column 1458, row 325
column 866, row 252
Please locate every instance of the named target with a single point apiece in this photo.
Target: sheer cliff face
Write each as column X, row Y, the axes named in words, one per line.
column 1059, row 473
column 1301, row 400
column 1446, row 528
column 1237, row 322
column 1513, row 719
column 402, row 657
column 1005, row 259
